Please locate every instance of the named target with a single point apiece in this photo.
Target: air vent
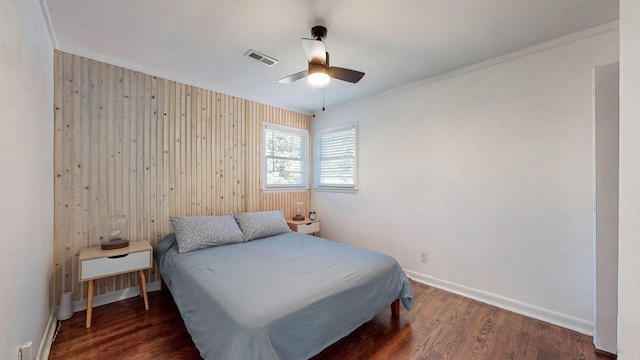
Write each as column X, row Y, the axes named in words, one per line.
column 267, row 60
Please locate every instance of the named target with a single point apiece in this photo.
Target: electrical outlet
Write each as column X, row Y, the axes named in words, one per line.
column 423, row 257
column 24, row 353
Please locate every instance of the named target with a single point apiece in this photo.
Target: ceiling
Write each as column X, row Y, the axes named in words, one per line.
column 202, row 42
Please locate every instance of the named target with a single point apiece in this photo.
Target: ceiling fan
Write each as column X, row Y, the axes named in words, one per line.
column 320, row 72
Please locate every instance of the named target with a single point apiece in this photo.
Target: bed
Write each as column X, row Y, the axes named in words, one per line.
column 285, row 295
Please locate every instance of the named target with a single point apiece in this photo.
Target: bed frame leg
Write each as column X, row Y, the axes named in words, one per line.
column 395, row 308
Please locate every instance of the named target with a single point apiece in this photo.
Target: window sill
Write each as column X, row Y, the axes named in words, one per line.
column 285, row 189
column 336, row 190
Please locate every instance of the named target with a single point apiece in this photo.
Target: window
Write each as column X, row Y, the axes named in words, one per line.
column 285, row 157
column 335, row 158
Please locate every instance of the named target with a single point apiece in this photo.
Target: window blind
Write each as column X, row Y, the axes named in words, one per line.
column 336, row 158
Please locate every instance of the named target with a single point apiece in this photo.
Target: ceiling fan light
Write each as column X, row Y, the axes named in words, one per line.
column 318, row 79
column 318, row 75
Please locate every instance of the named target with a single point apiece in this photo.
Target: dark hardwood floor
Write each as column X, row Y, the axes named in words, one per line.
column 441, row 325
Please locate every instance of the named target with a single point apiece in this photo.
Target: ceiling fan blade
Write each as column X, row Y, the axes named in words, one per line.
column 295, row 77
column 315, row 50
column 343, row 74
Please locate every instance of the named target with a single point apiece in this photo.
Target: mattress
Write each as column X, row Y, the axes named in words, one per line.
column 282, row 297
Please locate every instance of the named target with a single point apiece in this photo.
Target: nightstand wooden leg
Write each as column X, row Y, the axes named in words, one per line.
column 143, row 289
column 140, row 283
column 89, row 303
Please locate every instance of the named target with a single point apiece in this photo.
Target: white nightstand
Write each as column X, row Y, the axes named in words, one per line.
column 304, row 226
column 95, row 263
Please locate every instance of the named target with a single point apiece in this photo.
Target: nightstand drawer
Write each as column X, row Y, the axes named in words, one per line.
column 308, row 228
column 101, row 267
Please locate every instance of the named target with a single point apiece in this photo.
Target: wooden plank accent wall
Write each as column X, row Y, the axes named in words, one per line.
column 132, row 144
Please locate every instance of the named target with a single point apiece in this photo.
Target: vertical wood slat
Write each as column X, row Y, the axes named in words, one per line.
column 132, row 144
column 155, row 122
column 77, row 168
column 60, row 175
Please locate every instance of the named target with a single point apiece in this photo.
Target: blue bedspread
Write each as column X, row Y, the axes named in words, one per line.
column 283, row 297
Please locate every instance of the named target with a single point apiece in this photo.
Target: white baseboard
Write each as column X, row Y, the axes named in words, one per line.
column 49, row 332
column 114, row 296
column 47, row 337
column 550, row 316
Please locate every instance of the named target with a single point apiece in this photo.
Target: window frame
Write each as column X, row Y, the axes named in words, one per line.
column 304, row 166
column 317, row 160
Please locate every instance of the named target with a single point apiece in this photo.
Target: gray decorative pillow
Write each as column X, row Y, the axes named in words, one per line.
column 260, row 224
column 199, row 232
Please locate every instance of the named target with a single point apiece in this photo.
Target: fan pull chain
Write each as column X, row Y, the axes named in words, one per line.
column 323, row 99
column 314, row 102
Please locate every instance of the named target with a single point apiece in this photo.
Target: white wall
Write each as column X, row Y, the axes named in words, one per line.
column 629, row 235
column 488, row 170
column 26, row 181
